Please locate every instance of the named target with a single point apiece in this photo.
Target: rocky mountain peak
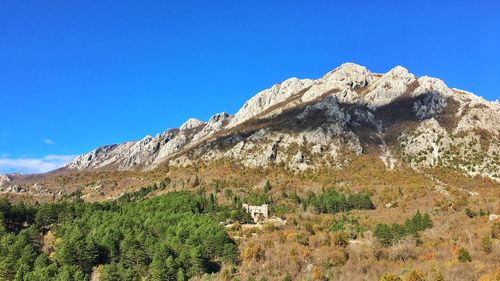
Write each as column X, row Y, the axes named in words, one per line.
column 389, row 86
column 268, row 98
column 304, row 124
column 191, row 123
column 350, row 75
column 219, row 117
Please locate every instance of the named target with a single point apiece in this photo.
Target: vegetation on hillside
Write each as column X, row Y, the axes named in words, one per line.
column 332, row 232
column 169, row 235
column 388, row 235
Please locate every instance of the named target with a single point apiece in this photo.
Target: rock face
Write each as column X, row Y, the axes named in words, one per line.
column 4, row 180
column 305, row 124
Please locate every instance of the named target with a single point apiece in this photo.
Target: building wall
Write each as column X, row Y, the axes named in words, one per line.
column 257, row 211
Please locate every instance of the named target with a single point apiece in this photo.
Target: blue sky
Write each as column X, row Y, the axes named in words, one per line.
column 75, row 75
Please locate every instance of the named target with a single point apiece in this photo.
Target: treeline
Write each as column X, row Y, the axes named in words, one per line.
column 332, row 201
column 389, row 234
column 169, row 237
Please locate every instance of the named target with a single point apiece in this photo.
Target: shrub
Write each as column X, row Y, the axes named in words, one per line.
column 317, row 273
column 415, row 275
column 482, row 213
column 469, row 213
column 253, row 252
column 309, row 227
column 487, row 244
column 347, row 224
column 495, row 230
column 463, row 255
column 390, row 277
column 302, row 239
column 267, row 186
column 437, row 276
column 404, row 250
column 340, row 239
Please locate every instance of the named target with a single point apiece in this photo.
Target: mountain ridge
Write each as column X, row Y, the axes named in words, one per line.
column 345, row 99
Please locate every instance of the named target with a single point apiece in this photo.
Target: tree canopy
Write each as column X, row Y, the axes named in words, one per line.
column 169, row 237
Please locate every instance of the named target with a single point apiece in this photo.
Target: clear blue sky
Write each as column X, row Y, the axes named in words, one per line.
column 78, row 74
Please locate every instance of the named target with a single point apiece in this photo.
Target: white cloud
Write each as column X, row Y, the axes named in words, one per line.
column 34, row 165
column 48, row 141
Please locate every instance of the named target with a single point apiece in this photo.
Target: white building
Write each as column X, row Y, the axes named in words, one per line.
column 258, row 213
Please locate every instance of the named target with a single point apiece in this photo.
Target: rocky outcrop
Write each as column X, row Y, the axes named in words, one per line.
column 4, row 180
column 305, row 124
column 389, row 87
column 268, row 98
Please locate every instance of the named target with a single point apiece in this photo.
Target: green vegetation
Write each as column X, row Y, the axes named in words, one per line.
column 388, row 235
column 169, row 237
column 487, row 244
column 332, row 201
column 463, row 255
column 390, row 277
column 348, row 224
column 469, row 213
column 257, row 198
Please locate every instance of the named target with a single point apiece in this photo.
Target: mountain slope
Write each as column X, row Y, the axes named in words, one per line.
column 307, row 124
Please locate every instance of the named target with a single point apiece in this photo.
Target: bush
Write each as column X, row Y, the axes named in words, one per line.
column 347, row 224
column 253, row 253
column 463, row 255
column 390, row 277
column 469, row 213
column 309, row 227
column 495, row 230
column 404, row 250
column 487, row 244
column 267, row 186
column 302, row 239
column 341, row 239
column 415, row 275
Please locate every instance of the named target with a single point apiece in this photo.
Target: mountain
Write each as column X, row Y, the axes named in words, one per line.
column 306, row 124
column 362, row 174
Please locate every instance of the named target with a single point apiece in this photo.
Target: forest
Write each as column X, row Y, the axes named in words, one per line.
column 173, row 236
column 169, row 237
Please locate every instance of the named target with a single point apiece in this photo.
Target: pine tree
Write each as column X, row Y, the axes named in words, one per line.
column 426, row 222
column 384, row 234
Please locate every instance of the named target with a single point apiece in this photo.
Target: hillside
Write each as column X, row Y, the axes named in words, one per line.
column 367, row 176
